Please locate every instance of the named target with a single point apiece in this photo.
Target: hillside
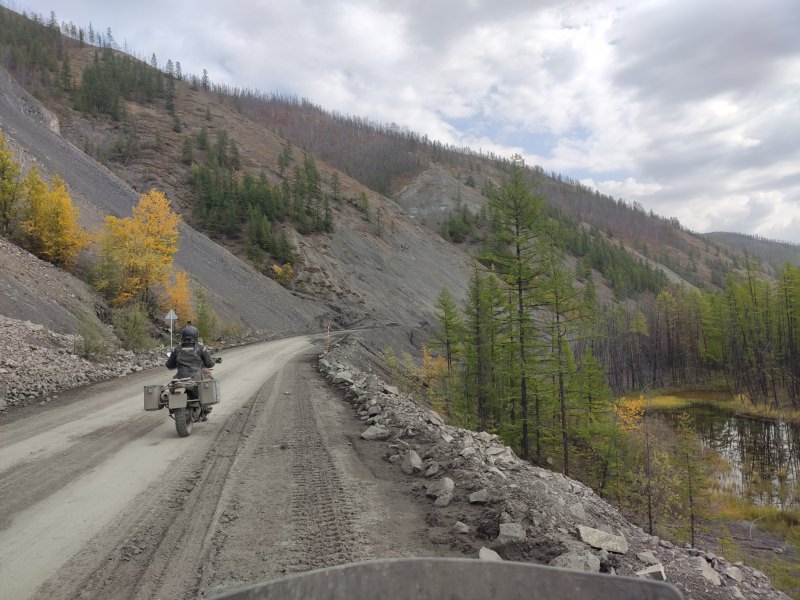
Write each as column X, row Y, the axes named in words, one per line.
column 144, row 141
column 774, row 253
column 375, row 222
column 432, row 181
column 350, row 274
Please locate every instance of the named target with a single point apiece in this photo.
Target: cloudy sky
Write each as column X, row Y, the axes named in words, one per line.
column 689, row 107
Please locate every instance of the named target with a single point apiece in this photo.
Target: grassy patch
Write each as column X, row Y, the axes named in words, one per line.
column 782, row 570
column 661, row 402
column 760, row 411
column 739, row 404
column 783, row 574
column 784, row 523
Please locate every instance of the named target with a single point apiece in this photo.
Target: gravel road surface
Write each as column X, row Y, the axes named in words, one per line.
column 102, row 499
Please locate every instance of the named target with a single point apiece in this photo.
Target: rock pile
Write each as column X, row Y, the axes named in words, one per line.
column 36, row 363
column 512, row 510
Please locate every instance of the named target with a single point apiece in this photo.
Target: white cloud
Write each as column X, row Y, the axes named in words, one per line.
column 689, row 107
column 627, row 188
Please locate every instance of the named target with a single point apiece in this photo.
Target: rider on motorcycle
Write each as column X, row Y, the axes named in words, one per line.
column 190, row 357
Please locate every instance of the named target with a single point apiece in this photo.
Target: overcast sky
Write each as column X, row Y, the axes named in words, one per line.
column 689, row 107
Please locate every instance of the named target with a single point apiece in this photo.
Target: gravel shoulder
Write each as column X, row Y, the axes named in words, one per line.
column 113, row 504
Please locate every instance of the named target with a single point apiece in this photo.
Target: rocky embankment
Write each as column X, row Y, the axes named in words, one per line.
column 483, row 499
column 496, row 506
column 37, row 363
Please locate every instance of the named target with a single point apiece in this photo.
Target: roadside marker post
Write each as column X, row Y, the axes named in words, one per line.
column 170, row 318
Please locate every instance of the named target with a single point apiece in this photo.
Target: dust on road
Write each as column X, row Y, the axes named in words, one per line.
column 276, row 482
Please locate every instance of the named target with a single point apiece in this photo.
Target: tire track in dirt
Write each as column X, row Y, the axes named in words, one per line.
column 29, row 482
column 287, row 486
column 159, row 549
column 307, row 492
column 322, row 508
column 291, row 504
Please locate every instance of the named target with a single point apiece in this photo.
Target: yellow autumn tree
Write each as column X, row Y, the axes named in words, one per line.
column 432, row 372
column 283, row 275
column 179, row 296
column 9, row 186
column 50, row 223
column 136, row 252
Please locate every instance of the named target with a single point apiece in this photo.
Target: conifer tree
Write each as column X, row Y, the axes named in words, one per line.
column 563, row 307
column 692, row 473
column 447, row 340
column 516, row 249
column 476, row 348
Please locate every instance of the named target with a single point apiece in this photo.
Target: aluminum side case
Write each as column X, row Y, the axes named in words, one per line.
column 208, row 391
column 152, row 394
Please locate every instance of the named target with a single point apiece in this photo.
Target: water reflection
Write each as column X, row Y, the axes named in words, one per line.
column 764, row 455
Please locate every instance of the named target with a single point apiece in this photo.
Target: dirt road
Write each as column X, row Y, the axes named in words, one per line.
column 102, row 500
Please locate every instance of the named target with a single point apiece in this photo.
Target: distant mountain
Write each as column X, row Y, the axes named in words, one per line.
column 772, row 252
column 362, row 205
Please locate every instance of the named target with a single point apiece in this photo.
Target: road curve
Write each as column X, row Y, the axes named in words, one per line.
column 102, row 499
column 66, row 473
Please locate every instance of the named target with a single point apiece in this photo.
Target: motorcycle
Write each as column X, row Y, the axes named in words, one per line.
column 188, row 400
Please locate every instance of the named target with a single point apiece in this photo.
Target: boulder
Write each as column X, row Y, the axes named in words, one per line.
column 653, row 572
column 647, row 557
column 602, row 540
column 412, row 463
column 487, row 554
column 460, row 527
column 511, row 532
column 734, row 573
column 577, row 561
column 701, row 564
column 376, row 432
column 479, row 497
column 442, row 486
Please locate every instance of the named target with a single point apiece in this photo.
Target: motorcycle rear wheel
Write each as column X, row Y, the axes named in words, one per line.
column 184, row 421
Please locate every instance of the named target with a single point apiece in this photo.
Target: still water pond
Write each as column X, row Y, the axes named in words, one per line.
column 764, row 455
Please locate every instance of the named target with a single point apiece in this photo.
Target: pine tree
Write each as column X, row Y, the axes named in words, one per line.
column 515, row 249
column 692, row 473
column 336, row 186
column 447, row 339
column 478, row 343
column 187, row 152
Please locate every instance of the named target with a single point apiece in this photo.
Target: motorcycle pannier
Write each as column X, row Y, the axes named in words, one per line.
column 208, row 392
column 151, row 396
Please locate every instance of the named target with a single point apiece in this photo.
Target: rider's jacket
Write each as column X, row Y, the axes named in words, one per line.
column 189, row 360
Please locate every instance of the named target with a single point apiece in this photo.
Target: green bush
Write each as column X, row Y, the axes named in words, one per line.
column 92, row 344
column 131, row 323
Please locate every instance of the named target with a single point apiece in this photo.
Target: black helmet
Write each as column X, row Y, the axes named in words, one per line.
column 189, row 334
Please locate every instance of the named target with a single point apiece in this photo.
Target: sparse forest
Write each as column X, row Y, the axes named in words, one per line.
column 532, row 353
